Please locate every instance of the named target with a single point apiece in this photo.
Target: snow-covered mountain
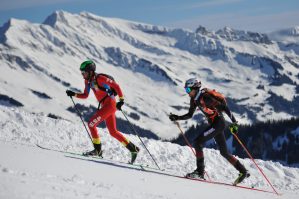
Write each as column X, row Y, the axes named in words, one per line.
column 39, row 62
column 288, row 35
column 27, row 171
column 288, row 40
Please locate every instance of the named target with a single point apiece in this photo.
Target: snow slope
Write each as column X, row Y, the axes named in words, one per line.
column 40, row 61
column 30, row 172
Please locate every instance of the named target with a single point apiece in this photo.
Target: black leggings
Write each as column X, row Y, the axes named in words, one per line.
column 216, row 131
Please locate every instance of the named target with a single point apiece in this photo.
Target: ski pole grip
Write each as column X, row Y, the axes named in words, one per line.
column 233, row 128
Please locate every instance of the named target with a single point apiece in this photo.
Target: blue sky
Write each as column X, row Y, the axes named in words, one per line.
column 253, row 15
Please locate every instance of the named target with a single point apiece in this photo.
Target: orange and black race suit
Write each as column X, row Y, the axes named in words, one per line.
column 108, row 106
column 212, row 108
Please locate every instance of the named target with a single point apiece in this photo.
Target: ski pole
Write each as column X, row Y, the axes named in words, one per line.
column 186, row 140
column 250, row 156
column 132, row 127
column 81, row 118
column 188, row 143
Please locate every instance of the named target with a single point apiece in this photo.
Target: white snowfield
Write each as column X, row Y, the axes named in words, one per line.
column 27, row 171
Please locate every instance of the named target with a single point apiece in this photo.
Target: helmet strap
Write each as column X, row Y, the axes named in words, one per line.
column 90, row 75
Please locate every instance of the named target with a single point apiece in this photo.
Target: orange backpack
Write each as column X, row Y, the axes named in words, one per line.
column 216, row 95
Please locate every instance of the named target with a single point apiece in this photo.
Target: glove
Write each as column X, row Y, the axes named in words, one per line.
column 173, row 117
column 70, row 93
column 120, row 104
column 234, row 127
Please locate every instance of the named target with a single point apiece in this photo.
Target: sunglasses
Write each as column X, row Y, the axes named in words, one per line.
column 84, row 72
column 188, row 90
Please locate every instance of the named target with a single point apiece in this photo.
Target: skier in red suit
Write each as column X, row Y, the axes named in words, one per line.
column 105, row 90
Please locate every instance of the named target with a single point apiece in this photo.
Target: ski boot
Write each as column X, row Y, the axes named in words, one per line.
column 199, row 172
column 243, row 173
column 134, row 151
column 241, row 177
column 93, row 153
column 96, row 152
column 196, row 174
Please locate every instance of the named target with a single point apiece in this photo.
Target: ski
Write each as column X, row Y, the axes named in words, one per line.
column 141, row 166
column 211, row 182
column 227, row 184
column 146, row 168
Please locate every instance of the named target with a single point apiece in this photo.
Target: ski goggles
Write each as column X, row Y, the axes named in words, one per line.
column 188, row 90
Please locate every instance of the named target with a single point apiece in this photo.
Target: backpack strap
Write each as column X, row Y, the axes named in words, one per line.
column 108, row 90
column 197, row 95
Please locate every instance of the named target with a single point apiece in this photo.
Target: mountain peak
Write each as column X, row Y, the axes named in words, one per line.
column 12, row 22
column 56, row 16
column 3, row 30
column 241, row 35
column 293, row 31
column 202, row 30
column 287, row 35
column 228, row 29
column 89, row 15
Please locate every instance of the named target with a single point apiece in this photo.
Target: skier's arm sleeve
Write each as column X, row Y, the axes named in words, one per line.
column 229, row 114
column 112, row 84
column 85, row 93
column 190, row 113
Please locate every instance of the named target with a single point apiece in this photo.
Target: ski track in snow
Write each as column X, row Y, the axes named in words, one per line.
column 27, row 171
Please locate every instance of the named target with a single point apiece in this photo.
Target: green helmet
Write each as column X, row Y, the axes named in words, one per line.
column 88, row 66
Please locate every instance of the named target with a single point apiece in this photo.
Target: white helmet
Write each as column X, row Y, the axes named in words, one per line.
column 192, row 83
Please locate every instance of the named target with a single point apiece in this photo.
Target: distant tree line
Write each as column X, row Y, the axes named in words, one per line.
column 275, row 140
